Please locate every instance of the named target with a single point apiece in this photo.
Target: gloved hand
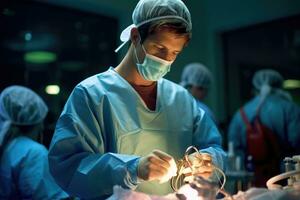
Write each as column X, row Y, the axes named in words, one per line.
column 201, row 165
column 157, row 165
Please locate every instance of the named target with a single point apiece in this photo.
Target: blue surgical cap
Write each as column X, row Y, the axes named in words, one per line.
column 20, row 106
column 147, row 11
column 268, row 77
column 196, row 74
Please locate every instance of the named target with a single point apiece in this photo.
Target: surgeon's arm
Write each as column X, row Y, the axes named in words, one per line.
column 78, row 158
column 208, row 139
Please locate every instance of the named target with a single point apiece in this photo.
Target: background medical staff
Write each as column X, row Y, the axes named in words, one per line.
column 197, row 79
column 24, row 170
column 276, row 111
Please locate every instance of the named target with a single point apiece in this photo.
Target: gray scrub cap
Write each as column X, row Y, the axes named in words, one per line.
column 196, row 74
column 267, row 77
column 157, row 10
column 268, row 81
column 20, row 106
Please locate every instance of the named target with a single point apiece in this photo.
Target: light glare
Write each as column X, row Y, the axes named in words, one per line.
column 291, row 84
column 52, row 89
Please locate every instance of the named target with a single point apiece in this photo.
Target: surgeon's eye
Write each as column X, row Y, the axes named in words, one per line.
column 176, row 53
column 159, row 48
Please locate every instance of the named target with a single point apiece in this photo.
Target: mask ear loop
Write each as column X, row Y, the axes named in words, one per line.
column 135, row 52
column 136, row 57
column 140, row 42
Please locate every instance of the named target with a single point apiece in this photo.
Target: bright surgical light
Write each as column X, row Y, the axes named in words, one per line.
column 40, row 57
column 291, row 84
column 52, row 89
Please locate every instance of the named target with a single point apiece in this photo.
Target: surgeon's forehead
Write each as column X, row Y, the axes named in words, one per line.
column 168, row 39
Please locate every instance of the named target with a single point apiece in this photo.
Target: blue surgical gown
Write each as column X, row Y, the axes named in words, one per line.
column 277, row 113
column 105, row 127
column 207, row 111
column 24, row 172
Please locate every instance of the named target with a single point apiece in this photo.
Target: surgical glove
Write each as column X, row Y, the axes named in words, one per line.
column 201, row 165
column 172, row 171
column 157, row 166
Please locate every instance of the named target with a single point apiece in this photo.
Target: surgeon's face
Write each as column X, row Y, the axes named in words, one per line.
column 163, row 44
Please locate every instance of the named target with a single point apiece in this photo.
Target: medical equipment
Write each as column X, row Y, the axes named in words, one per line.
column 205, row 189
column 198, row 183
column 292, row 173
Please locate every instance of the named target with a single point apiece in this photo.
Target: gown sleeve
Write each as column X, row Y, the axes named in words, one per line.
column 208, row 139
column 78, row 158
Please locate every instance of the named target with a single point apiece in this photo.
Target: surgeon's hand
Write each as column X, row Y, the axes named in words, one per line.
column 157, row 165
column 201, row 165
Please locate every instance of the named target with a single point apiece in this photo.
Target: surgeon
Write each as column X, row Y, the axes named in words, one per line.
column 128, row 125
column 196, row 78
column 24, row 170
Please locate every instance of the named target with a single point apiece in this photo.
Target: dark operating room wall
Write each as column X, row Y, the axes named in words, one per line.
column 80, row 44
column 274, row 44
column 230, row 15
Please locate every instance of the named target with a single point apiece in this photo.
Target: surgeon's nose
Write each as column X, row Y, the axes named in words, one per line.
column 168, row 57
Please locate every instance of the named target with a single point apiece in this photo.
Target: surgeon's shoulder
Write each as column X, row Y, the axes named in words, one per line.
column 174, row 88
column 95, row 85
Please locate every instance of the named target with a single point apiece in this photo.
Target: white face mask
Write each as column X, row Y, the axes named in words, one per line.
column 153, row 68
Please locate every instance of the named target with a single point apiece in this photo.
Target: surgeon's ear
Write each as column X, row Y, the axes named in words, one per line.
column 135, row 36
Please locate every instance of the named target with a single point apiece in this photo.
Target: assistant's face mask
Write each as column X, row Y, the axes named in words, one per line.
column 152, row 68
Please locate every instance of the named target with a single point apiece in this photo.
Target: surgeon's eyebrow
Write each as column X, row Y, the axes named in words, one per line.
column 161, row 46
